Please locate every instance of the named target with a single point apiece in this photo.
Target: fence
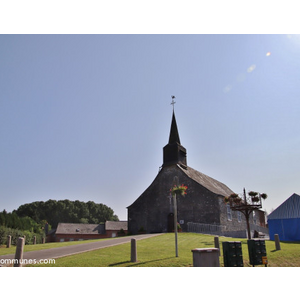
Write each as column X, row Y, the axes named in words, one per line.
column 206, row 228
column 222, row 230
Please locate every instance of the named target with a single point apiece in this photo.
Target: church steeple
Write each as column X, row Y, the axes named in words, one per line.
column 174, row 152
column 174, row 135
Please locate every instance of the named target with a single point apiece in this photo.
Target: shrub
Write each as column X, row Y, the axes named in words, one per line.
column 16, row 233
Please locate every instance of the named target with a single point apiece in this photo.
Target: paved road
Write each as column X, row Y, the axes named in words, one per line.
column 74, row 249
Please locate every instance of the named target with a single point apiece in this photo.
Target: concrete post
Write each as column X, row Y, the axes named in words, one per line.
column 217, row 244
column 277, row 242
column 19, row 252
column 8, row 241
column 133, row 251
column 43, row 240
column 34, row 240
column 206, row 257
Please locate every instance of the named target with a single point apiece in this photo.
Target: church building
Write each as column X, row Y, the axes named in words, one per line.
column 153, row 211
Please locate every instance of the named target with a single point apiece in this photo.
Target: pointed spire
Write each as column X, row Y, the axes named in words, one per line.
column 174, row 152
column 174, row 135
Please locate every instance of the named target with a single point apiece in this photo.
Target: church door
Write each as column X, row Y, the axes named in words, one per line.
column 170, row 222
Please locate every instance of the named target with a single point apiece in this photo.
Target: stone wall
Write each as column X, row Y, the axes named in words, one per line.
column 152, row 208
column 236, row 223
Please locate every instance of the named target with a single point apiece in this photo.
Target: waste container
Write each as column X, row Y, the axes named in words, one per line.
column 232, row 254
column 257, row 252
column 206, row 257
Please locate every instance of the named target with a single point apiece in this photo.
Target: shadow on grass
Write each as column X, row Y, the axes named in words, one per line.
column 120, row 263
column 138, row 263
column 208, row 243
column 290, row 242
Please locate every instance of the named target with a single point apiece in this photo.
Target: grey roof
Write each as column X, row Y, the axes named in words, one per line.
column 79, row 228
column 116, row 225
column 289, row 209
column 211, row 184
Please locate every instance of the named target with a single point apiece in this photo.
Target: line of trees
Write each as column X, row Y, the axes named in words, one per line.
column 13, row 221
column 56, row 211
column 15, row 226
column 30, row 219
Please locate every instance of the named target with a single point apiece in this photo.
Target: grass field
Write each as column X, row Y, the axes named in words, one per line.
column 159, row 251
column 27, row 248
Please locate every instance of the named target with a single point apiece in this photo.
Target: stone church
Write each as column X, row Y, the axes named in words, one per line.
column 204, row 202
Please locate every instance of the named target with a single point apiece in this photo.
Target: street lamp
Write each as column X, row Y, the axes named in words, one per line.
column 176, row 190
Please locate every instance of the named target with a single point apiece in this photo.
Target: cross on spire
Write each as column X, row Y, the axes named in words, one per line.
column 173, row 102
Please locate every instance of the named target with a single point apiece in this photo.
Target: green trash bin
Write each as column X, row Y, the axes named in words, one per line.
column 257, row 252
column 232, row 254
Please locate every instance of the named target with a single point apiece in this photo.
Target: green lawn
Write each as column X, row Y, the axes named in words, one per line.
column 159, row 251
column 27, row 248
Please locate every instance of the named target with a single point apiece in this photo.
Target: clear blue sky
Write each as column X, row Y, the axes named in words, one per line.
column 85, row 117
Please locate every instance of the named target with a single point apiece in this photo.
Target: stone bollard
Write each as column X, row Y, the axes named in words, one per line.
column 43, row 240
column 8, row 241
column 19, row 252
column 217, row 244
column 206, row 257
column 133, row 251
column 277, row 242
column 34, row 240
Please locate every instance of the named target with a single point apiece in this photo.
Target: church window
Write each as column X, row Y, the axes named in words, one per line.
column 229, row 216
column 239, row 215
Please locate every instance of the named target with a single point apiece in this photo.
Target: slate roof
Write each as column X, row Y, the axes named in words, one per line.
column 79, row 228
column 211, row 184
column 116, row 225
column 289, row 209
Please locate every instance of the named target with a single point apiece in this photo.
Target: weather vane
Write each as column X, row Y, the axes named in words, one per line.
column 173, row 102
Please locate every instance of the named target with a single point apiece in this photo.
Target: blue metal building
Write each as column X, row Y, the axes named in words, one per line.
column 285, row 220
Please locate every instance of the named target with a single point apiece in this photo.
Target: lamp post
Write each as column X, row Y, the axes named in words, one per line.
column 176, row 190
column 175, row 223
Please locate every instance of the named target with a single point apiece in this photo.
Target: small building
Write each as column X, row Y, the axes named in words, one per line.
column 78, row 232
column 116, row 228
column 285, row 220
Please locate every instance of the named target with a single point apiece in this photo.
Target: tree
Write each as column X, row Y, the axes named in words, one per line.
column 84, row 221
column 246, row 205
column 3, row 217
column 13, row 221
column 67, row 211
